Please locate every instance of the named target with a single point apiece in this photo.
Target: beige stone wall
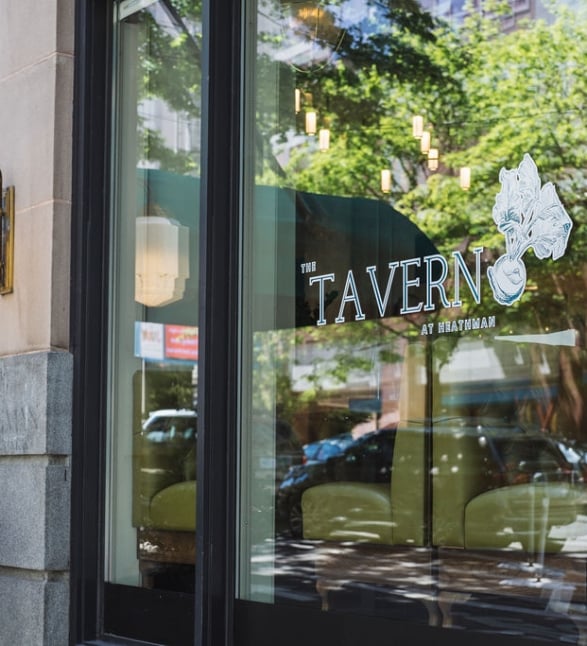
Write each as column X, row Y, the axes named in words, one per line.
column 36, row 113
column 36, row 90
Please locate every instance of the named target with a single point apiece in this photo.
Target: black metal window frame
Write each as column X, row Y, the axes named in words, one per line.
column 104, row 612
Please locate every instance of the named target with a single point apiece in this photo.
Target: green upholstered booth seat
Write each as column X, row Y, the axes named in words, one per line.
column 477, row 500
column 175, row 507
column 348, row 511
column 164, row 455
column 522, row 513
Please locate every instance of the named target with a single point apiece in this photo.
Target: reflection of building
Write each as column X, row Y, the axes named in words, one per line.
column 456, row 10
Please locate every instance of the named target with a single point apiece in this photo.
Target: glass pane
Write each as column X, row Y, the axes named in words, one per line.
column 413, row 338
column 154, row 322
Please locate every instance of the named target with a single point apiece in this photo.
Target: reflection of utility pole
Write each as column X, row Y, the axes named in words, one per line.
column 143, row 391
column 377, row 370
column 195, row 386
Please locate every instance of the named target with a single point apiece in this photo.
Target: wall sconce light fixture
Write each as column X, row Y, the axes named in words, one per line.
column 161, row 260
column 6, row 238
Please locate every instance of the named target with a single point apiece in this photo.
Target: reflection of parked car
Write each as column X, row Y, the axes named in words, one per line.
column 167, row 425
column 366, row 459
column 575, row 457
column 321, row 450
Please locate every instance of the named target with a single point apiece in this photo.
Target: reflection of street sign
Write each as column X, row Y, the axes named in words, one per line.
column 156, row 341
column 181, row 342
column 149, row 339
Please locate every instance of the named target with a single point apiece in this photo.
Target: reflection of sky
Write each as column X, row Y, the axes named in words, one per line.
column 354, row 13
column 297, row 45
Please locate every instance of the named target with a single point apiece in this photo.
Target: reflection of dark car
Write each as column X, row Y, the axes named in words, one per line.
column 323, row 449
column 575, row 457
column 365, row 459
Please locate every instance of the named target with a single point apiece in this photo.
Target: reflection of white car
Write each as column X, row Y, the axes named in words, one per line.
column 170, row 424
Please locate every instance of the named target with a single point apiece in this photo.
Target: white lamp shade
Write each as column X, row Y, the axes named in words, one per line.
column 465, row 178
column 425, row 142
column 311, row 122
column 324, row 139
column 161, row 260
column 417, row 126
column 433, row 159
column 386, row 180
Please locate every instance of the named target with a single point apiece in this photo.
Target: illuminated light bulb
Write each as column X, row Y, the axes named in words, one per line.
column 465, row 178
column 417, row 126
column 425, row 142
column 311, row 122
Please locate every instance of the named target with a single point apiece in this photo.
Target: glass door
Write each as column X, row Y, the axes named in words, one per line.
column 413, row 392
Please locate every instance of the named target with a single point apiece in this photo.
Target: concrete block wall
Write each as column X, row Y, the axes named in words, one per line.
column 36, row 86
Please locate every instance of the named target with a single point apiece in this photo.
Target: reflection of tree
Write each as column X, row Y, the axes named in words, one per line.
column 165, row 389
column 169, row 66
column 491, row 97
column 331, row 358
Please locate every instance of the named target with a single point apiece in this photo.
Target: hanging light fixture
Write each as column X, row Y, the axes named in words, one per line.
column 425, row 142
column 417, row 126
column 311, row 119
column 433, row 159
column 465, row 178
column 386, row 180
column 324, row 139
column 161, row 260
column 298, row 100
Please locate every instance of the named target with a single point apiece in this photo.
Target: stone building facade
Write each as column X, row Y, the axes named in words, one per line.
column 36, row 112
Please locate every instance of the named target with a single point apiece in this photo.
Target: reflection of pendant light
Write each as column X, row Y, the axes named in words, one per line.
column 161, row 260
column 418, row 126
column 298, row 100
column 311, row 122
column 425, row 142
column 465, row 178
column 386, row 180
column 324, row 139
column 433, row 159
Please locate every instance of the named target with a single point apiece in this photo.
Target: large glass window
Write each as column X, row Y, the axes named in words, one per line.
column 414, row 400
column 153, row 338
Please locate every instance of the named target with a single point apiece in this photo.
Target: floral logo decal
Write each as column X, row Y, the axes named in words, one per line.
column 529, row 216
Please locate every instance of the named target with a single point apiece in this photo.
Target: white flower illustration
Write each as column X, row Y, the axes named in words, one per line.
column 529, row 216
